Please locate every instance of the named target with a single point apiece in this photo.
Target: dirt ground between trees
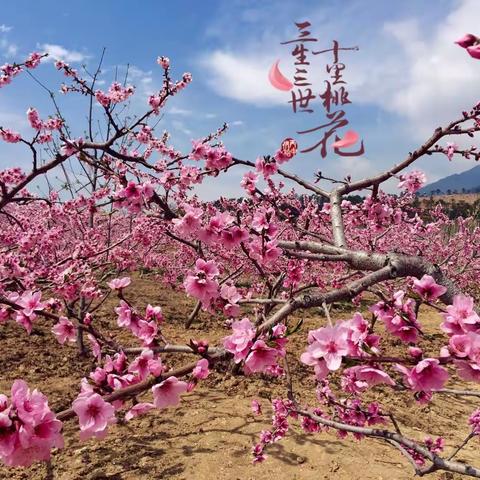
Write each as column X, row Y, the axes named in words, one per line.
column 211, row 434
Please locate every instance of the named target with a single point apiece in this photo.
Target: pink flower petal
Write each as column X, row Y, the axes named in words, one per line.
column 349, row 139
column 277, row 79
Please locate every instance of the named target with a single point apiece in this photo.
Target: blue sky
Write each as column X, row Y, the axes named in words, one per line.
column 407, row 78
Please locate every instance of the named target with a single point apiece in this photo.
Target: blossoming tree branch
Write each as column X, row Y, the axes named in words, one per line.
column 127, row 203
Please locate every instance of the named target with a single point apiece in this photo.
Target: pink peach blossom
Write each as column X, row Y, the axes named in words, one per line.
column 201, row 287
column 28, row 428
column 428, row 288
column 467, row 40
column 357, row 379
column 450, row 150
column 65, row 331
column 426, row 376
column 124, row 314
column 9, row 135
column 94, row 415
column 164, row 62
column 474, row 51
column 460, row 317
column 146, row 331
column 256, row 407
column 119, row 283
column 329, row 343
column 412, row 181
column 146, row 364
column 201, row 371
column 167, row 393
column 240, row 341
column 260, row 358
column 154, row 313
column 249, row 181
column 468, row 370
column 138, row 409
column 30, row 301
column 460, row 345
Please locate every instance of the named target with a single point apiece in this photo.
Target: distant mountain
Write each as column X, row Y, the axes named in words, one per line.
column 464, row 182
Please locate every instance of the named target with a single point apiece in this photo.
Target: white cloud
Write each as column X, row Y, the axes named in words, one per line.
column 9, row 49
column 142, row 79
column 237, row 123
column 15, row 121
column 180, row 127
column 227, row 185
column 136, row 73
column 428, row 80
column 185, row 112
column 406, row 67
column 242, row 77
column 410, row 68
column 422, row 76
column 57, row 52
column 357, row 168
column 180, row 111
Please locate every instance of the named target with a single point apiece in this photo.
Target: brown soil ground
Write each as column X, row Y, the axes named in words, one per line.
column 211, row 434
column 455, row 197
